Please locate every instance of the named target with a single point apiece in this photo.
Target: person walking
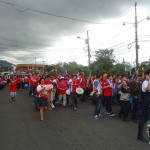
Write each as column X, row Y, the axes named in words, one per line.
column 43, row 96
column 73, row 84
column 107, row 86
column 13, row 88
column 145, row 109
column 124, row 100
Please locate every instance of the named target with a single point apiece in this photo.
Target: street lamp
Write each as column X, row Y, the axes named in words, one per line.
column 88, row 48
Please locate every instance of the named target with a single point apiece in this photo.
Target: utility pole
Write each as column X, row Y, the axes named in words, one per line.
column 136, row 38
column 89, row 55
column 88, row 48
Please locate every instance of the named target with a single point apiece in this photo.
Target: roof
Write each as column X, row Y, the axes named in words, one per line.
column 30, row 65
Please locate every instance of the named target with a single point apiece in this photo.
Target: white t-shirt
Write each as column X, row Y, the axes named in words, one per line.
column 144, row 86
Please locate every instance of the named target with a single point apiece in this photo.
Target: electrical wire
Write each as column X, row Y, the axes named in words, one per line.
column 46, row 13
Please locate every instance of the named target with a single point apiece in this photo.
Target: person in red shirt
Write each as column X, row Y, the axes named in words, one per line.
column 107, row 93
column 25, row 82
column 18, row 82
column 43, row 96
column 82, row 84
column 73, row 84
column 37, row 78
column 62, row 87
column 50, row 100
column 32, row 83
column 13, row 88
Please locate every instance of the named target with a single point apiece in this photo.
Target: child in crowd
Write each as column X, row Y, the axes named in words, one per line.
column 95, row 97
column 13, row 88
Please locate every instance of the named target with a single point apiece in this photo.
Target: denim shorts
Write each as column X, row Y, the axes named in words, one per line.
column 13, row 94
column 42, row 102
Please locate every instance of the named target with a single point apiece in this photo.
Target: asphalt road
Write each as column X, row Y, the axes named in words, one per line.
column 63, row 128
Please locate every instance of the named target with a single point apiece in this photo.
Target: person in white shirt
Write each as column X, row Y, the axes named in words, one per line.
column 144, row 87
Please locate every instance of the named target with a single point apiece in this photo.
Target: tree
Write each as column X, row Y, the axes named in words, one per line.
column 69, row 68
column 118, row 69
column 145, row 66
column 105, row 60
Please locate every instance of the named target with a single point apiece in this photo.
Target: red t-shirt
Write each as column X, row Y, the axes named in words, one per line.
column 82, row 82
column 32, row 81
column 62, row 86
column 37, row 78
column 26, row 79
column 75, row 84
column 47, row 81
column 13, row 86
column 107, row 91
column 18, row 80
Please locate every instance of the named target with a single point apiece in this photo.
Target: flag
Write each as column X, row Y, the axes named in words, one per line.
column 134, row 76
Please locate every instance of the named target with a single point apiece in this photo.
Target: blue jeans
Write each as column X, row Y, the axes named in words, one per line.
column 97, row 107
column 73, row 99
column 108, row 100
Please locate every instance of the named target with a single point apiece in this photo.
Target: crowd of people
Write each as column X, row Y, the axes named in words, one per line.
column 49, row 91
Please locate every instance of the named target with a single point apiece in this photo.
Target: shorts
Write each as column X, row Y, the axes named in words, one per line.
column 13, row 94
column 42, row 102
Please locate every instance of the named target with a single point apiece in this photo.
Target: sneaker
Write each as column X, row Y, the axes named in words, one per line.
column 107, row 113
column 112, row 115
column 49, row 108
column 74, row 108
column 100, row 115
column 42, row 119
column 96, row 117
column 141, row 138
column 52, row 106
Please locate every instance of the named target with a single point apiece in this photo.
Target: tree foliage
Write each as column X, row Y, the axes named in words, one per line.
column 104, row 61
column 69, row 68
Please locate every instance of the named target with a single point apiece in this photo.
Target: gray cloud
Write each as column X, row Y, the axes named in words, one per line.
column 31, row 32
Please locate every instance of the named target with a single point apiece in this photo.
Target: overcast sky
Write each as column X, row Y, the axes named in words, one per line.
column 31, row 29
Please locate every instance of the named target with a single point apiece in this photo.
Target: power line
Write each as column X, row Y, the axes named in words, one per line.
column 46, row 13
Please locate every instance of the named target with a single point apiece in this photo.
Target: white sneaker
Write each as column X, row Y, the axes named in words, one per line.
column 107, row 113
column 74, row 108
column 100, row 115
column 52, row 106
column 112, row 115
column 96, row 117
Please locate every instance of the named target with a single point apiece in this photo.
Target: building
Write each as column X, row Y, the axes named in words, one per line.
column 30, row 68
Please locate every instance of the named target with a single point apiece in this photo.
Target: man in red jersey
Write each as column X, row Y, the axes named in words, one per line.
column 82, row 84
column 107, row 93
column 32, row 83
column 13, row 88
column 62, row 87
column 73, row 84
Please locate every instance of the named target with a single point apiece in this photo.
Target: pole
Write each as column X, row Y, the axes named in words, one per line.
column 136, row 37
column 89, row 62
column 89, row 55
